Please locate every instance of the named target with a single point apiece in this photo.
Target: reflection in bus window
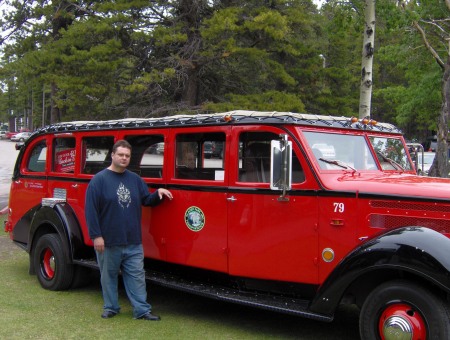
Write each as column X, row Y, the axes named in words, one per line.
column 147, row 155
column 96, row 154
column 334, row 151
column 254, row 158
column 199, row 156
column 38, row 157
column 391, row 153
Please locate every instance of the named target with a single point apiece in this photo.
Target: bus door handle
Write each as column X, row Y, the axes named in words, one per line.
column 232, row 199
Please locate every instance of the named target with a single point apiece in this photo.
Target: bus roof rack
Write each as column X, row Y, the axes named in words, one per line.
column 224, row 118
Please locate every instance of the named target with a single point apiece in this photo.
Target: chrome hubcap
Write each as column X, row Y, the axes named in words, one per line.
column 397, row 328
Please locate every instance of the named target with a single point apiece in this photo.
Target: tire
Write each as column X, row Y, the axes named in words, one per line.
column 52, row 268
column 401, row 308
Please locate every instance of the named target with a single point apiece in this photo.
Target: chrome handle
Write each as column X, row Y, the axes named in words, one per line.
column 232, row 199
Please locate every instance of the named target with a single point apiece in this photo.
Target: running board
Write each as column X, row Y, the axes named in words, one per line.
column 274, row 303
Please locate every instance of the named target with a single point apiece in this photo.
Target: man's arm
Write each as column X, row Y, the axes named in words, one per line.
column 153, row 199
column 91, row 211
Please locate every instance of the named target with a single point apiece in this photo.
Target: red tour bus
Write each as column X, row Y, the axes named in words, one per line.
column 295, row 213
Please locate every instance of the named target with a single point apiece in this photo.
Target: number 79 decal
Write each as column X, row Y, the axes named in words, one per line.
column 338, row 207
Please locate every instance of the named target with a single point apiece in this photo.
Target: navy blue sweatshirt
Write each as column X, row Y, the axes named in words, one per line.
column 113, row 207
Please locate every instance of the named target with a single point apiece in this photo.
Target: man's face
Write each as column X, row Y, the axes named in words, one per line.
column 121, row 158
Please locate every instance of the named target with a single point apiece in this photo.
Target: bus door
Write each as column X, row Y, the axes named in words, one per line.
column 195, row 226
column 269, row 238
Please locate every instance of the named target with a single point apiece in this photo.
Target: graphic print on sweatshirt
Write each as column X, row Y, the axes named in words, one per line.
column 123, row 195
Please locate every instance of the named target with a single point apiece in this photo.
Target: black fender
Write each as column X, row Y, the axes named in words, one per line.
column 58, row 219
column 419, row 251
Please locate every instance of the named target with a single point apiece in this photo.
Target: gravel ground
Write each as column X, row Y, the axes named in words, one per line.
column 8, row 159
column 9, row 156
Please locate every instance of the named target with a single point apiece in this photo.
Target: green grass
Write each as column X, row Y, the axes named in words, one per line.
column 29, row 312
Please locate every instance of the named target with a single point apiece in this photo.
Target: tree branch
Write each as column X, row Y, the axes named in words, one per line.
column 428, row 45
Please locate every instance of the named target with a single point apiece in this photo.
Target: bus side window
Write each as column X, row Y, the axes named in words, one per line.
column 38, row 157
column 147, row 155
column 96, row 154
column 254, row 158
column 199, row 156
column 64, row 155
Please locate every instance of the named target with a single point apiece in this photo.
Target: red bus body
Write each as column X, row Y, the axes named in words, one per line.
column 343, row 230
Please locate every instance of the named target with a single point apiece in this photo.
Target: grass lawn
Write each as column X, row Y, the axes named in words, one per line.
column 29, row 312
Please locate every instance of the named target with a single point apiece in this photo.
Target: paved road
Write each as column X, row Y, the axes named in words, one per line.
column 7, row 161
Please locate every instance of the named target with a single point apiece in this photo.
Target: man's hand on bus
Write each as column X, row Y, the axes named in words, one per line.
column 164, row 192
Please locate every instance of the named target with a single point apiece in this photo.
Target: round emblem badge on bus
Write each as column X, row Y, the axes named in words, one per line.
column 194, row 218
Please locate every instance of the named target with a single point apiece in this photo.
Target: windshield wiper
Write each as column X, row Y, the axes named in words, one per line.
column 338, row 163
column 394, row 164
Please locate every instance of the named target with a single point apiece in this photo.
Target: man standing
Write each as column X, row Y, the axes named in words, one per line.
column 114, row 200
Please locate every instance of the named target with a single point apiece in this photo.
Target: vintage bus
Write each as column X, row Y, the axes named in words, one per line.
column 295, row 213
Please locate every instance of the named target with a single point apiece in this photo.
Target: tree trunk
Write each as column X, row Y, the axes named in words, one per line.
column 55, row 113
column 192, row 13
column 440, row 166
column 367, row 60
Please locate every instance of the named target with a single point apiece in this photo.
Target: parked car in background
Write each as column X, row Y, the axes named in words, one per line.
column 2, row 134
column 160, row 148
column 156, row 149
column 217, row 149
column 208, row 149
column 10, row 134
column 424, row 168
column 20, row 137
column 431, row 143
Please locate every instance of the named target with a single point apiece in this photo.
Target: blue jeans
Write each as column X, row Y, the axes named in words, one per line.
column 130, row 260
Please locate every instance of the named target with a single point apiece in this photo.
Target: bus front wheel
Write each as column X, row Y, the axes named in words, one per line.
column 52, row 268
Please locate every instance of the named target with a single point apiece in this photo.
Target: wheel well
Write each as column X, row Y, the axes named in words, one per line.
column 358, row 291
column 60, row 220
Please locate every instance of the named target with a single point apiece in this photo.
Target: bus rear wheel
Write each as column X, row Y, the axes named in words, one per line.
column 401, row 309
column 53, row 270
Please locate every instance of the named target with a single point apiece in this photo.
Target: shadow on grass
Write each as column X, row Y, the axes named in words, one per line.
column 260, row 323
column 194, row 311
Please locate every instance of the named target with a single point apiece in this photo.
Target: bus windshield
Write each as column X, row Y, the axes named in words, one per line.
column 352, row 152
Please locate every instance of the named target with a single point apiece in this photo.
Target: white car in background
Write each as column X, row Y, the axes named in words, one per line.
column 21, row 137
column 428, row 158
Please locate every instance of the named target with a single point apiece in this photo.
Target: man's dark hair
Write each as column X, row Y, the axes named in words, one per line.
column 121, row 143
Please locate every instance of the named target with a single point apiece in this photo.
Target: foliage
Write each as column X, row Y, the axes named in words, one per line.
column 268, row 101
column 102, row 59
column 105, row 59
column 411, row 81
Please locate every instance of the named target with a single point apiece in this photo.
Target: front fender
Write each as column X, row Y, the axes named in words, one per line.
column 60, row 219
column 420, row 251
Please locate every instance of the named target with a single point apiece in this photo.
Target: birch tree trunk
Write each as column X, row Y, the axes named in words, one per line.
column 367, row 60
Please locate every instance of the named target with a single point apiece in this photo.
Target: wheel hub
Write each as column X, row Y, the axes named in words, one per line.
column 49, row 264
column 397, row 328
column 401, row 322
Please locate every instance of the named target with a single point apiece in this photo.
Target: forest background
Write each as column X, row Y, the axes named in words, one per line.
column 65, row 60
